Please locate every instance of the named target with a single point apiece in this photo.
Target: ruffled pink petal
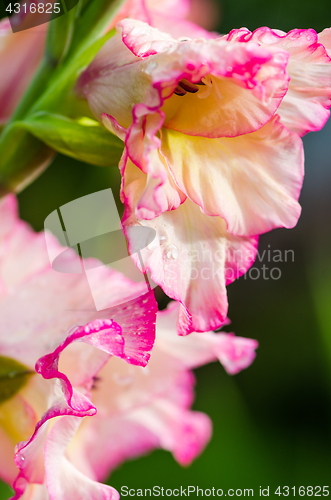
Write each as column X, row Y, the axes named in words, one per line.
column 108, row 442
column 103, row 334
column 110, row 337
column 30, row 461
column 159, row 193
column 39, row 305
column 195, row 259
column 252, row 181
column 161, row 419
column 63, row 480
column 305, row 107
column 58, row 478
column 235, row 353
column 143, row 40
column 149, row 196
column 142, row 146
column 183, row 432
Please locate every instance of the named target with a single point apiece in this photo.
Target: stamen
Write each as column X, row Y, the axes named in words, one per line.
column 206, row 91
column 188, row 86
column 210, row 84
column 180, row 91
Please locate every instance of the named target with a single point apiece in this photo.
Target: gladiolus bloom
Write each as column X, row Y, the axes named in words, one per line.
column 38, row 308
column 91, row 402
column 208, row 162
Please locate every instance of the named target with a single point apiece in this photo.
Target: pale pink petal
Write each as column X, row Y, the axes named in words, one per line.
column 35, row 492
column 178, row 28
column 8, row 215
column 195, row 259
column 105, row 443
column 305, row 107
column 235, row 353
column 325, row 39
column 143, row 40
column 149, row 196
column 252, row 181
column 178, row 8
column 113, row 126
column 63, row 480
column 183, row 432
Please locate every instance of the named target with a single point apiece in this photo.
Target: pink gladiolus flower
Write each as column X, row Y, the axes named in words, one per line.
column 207, row 162
column 93, row 403
column 20, row 55
column 38, row 306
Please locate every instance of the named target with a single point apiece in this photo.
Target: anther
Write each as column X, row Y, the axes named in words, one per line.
column 188, row 86
column 179, row 91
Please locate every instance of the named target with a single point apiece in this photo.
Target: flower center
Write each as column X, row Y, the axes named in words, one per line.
column 208, row 82
column 185, row 86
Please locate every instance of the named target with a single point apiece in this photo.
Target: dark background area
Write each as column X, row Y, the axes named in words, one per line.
column 272, row 424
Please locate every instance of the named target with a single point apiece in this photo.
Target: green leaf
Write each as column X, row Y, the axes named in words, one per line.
column 22, row 158
column 13, row 376
column 84, row 139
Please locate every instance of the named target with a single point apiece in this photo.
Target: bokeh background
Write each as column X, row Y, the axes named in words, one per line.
column 272, row 422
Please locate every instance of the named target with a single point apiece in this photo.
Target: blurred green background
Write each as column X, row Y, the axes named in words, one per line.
column 272, row 424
